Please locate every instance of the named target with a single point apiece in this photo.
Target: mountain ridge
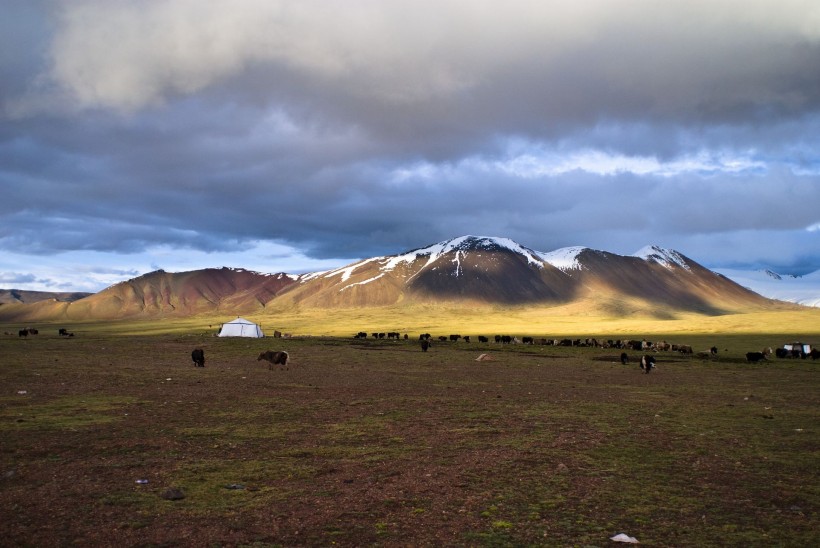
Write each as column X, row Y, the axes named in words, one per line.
column 803, row 290
column 480, row 270
column 9, row 296
column 499, row 271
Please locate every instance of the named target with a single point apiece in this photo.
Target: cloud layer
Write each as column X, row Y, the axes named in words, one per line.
column 361, row 128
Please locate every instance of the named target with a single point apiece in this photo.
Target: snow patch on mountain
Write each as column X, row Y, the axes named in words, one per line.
column 374, row 278
column 565, row 258
column 665, row 257
column 345, row 272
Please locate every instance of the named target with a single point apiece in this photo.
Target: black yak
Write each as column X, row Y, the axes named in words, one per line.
column 647, row 363
column 275, row 358
column 198, row 357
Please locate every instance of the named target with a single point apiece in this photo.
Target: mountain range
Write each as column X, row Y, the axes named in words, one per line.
column 803, row 290
column 470, row 270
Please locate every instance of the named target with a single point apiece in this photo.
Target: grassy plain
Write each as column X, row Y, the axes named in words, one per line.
column 571, row 320
column 376, row 443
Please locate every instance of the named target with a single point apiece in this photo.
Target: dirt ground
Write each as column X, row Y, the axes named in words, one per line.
column 377, row 443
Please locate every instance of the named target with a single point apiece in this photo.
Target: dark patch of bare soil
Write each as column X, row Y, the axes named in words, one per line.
column 122, row 441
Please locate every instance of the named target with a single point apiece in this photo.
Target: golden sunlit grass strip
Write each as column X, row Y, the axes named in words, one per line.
column 446, row 319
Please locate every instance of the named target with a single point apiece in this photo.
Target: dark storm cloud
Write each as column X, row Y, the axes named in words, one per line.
column 24, row 37
column 214, row 126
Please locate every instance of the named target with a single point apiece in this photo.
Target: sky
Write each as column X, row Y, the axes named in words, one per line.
column 294, row 136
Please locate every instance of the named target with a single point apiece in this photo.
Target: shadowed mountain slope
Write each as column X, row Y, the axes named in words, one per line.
column 662, row 277
column 483, row 270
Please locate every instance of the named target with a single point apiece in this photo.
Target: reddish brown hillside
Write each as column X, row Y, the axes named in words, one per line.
column 162, row 293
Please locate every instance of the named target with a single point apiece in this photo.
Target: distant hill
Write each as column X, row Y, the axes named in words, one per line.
column 9, row 296
column 480, row 271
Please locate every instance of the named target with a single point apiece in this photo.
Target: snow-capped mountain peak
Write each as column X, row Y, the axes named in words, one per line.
column 456, row 246
column 466, row 243
column 665, row 257
column 565, row 258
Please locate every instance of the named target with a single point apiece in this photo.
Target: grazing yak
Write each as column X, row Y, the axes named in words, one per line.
column 624, row 358
column 425, row 344
column 198, row 357
column 754, row 357
column 275, row 358
column 647, row 363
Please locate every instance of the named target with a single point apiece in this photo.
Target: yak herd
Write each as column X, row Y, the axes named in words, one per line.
column 647, row 361
column 796, row 350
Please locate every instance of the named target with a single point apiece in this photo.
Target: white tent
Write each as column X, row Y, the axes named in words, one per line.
column 241, row 327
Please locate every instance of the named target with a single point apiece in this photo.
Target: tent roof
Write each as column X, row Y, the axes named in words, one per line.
column 241, row 320
column 240, row 327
